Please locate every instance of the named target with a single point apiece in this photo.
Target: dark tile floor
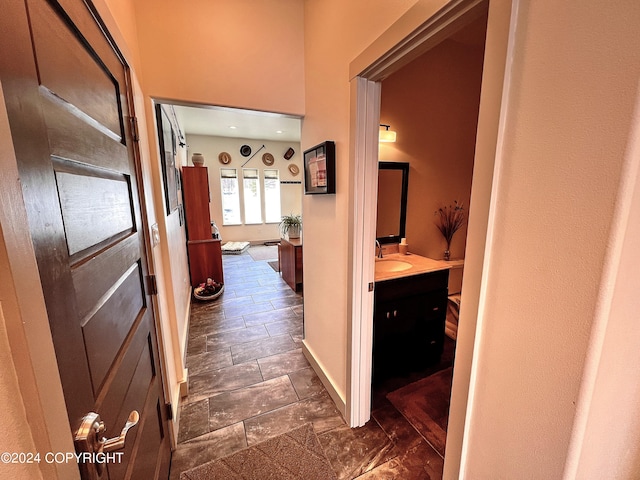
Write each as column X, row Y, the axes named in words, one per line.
column 249, row 381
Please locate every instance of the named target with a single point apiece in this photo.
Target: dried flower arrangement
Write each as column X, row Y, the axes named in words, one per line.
column 450, row 220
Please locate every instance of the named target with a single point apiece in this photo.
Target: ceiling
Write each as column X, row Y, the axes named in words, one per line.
column 218, row 121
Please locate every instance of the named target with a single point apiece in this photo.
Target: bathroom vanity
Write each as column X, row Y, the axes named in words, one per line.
column 409, row 313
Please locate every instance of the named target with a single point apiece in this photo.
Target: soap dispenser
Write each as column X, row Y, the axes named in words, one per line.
column 403, row 248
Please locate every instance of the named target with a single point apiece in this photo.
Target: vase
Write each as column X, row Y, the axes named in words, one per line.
column 294, row 231
column 197, row 159
column 447, row 255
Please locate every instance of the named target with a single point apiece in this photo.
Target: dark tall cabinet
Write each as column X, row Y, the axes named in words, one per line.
column 205, row 254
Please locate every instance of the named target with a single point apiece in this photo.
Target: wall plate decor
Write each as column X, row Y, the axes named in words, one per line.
column 320, row 169
column 224, row 158
column 294, row 169
column 268, row 159
column 245, row 150
column 289, row 153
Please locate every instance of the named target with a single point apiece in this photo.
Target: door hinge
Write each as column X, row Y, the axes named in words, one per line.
column 152, row 285
column 169, row 408
column 134, row 129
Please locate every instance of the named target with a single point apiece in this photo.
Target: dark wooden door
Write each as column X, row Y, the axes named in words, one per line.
column 67, row 92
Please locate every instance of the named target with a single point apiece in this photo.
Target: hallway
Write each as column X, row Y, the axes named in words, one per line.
column 249, row 381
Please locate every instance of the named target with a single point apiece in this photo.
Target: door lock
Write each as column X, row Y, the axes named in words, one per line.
column 89, row 439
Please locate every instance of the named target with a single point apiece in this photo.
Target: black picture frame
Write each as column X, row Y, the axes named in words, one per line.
column 320, row 169
column 167, row 144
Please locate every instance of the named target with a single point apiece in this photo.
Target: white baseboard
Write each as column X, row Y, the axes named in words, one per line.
column 333, row 392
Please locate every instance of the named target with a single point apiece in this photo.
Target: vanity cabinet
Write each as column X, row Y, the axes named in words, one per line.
column 408, row 325
column 205, row 252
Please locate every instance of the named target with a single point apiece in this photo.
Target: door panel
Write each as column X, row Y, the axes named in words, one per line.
column 61, row 55
column 97, row 198
column 104, row 333
column 117, row 259
column 67, row 101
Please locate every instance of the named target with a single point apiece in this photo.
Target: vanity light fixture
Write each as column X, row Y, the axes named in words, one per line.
column 386, row 135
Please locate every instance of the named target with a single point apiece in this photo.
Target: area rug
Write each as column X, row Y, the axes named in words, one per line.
column 296, row 455
column 425, row 404
column 263, row 252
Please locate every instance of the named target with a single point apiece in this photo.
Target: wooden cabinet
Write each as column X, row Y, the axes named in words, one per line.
column 290, row 255
column 205, row 253
column 408, row 325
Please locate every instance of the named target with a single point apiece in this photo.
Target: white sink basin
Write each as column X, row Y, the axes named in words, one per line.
column 384, row 266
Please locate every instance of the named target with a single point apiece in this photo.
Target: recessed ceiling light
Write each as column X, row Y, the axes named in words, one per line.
column 279, row 131
column 232, row 127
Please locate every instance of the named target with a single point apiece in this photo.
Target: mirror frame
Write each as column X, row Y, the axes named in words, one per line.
column 404, row 167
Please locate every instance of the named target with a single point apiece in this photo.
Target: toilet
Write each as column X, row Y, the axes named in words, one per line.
column 453, row 305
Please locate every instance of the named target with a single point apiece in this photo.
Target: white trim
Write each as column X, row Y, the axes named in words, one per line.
column 326, row 381
column 438, row 25
column 365, row 196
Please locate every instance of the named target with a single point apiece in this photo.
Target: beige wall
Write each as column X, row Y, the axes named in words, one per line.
column 16, row 435
column 238, row 54
column 433, row 105
column 611, row 394
column 352, row 25
column 567, row 120
column 290, row 194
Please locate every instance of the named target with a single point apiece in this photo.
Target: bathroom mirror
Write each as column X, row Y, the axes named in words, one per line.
column 393, row 183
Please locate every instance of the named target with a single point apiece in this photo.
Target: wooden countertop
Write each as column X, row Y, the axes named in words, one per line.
column 296, row 242
column 419, row 265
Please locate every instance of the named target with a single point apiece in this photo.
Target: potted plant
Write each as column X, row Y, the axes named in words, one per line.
column 450, row 220
column 291, row 225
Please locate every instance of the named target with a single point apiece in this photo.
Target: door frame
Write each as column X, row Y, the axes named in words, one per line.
column 45, row 425
column 422, row 27
column 24, row 313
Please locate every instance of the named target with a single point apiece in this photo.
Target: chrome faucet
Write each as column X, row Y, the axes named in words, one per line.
column 379, row 247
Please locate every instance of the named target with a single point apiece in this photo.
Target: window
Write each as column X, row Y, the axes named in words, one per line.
column 230, row 197
column 272, row 211
column 252, row 203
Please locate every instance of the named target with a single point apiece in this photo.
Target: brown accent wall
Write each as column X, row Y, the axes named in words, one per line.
column 432, row 104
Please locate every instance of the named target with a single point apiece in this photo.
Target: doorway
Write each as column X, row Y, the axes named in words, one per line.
column 432, row 103
column 368, row 71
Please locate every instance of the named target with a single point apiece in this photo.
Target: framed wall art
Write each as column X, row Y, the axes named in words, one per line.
column 167, row 140
column 320, row 169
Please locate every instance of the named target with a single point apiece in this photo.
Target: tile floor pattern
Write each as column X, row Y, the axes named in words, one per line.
column 249, row 381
